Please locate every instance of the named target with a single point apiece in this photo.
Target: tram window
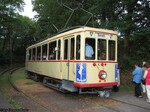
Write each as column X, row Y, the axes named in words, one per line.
column 52, row 51
column 111, row 50
column 66, row 49
column 59, row 48
column 78, row 47
column 101, row 49
column 29, row 56
column 33, row 53
column 39, row 53
column 72, row 49
column 89, row 49
column 44, row 52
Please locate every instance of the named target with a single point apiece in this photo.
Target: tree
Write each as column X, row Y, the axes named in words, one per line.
column 130, row 18
column 7, row 16
column 17, row 32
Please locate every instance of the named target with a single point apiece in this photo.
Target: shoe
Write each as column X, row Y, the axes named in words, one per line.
column 140, row 96
column 148, row 101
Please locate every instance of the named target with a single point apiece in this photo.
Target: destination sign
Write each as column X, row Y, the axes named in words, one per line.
column 100, row 35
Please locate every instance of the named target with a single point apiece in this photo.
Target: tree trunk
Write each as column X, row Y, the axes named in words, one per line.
column 126, row 45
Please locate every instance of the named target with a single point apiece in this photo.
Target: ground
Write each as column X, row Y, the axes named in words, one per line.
column 38, row 98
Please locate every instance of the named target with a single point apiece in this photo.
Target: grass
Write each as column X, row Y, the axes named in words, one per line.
column 13, row 103
column 5, row 87
column 19, row 75
column 4, row 82
column 126, row 89
column 29, row 83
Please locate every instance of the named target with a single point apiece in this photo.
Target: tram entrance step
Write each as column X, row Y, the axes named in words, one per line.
column 68, row 85
column 69, row 88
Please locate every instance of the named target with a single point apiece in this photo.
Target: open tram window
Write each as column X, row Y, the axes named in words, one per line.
column 59, row 49
column 29, row 56
column 78, row 52
column 52, row 51
column 89, row 49
column 72, row 49
column 66, row 49
column 112, row 49
column 39, row 53
column 44, row 52
column 33, row 53
column 101, row 49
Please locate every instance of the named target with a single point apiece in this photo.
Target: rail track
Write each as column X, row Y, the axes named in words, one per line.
column 4, row 71
column 114, row 110
column 20, row 91
column 12, row 70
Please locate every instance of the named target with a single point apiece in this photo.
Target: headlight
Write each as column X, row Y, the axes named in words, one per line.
column 102, row 75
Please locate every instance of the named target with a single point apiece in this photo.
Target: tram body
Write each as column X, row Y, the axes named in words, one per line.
column 61, row 62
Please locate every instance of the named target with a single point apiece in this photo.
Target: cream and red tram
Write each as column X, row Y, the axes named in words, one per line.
column 61, row 63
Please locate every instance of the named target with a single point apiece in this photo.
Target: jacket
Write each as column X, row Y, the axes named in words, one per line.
column 137, row 75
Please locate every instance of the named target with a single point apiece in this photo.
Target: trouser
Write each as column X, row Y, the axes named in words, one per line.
column 148, row 91
column 137, row 89
column 143, row 88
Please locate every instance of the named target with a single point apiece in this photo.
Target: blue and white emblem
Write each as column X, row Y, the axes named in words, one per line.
column 116, row 72
column 80, row 72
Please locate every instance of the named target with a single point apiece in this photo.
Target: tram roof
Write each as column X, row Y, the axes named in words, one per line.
column 70, row 30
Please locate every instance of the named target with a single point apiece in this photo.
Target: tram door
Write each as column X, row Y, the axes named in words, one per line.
column 66, row 56
column 68, row 64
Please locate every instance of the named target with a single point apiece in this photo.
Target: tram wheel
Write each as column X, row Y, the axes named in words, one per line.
column 44, row 80
column 104, row 94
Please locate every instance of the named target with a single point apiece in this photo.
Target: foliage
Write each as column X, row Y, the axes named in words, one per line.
column 17, row 32
column 131, row 18
column 5, row 86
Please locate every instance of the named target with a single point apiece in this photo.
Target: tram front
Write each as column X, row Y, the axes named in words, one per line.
column 97, row 70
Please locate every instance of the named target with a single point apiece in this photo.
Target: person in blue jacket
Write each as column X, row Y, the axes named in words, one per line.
column 137, row 77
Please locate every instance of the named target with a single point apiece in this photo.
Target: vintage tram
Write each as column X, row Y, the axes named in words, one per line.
column 60, row 61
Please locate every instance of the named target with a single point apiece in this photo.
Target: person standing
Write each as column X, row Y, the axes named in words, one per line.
column 147, row 81
column 143, row 85
column 137, row 77
column 88, row 51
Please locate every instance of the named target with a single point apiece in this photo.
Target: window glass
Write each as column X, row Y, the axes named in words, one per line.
column 44, row 52
column 30, row 54
column 72, row 49
column 33, row 54
column 66, row 49
column 59, row 49
column 39, row 53
column 111, row 50
column 89, row 49
column 101, row 47
column 78, row 52
column 52, row 51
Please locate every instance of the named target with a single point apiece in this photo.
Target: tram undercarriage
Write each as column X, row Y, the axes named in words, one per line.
column 67, row 86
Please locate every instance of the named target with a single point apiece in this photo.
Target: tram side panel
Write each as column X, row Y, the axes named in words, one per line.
column 49, row 69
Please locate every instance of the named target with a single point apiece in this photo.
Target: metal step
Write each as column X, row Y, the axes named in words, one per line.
column 68, row 85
